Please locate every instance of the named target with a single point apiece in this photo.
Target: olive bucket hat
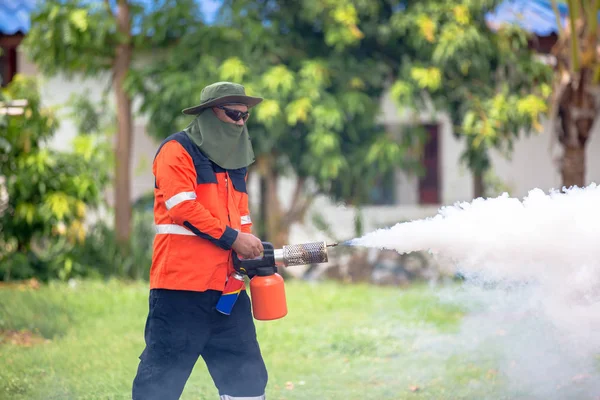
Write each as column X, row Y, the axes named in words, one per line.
column 220, row 93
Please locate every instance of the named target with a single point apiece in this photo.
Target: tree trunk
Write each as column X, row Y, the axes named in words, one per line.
column 576, row 114
column 276, row 220
column 124, row 127
column 478, row 186
column 262, row 228
column 573, row 167
column 272, row 206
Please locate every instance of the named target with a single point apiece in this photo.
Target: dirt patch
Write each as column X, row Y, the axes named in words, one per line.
column 27, row 284
column 23, row 338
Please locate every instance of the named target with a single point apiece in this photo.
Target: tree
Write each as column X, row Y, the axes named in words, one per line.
column 489, row 82
column 575, row 104
column 48, row 193
column 89, row 38
column 322, row 84
column 323, row 66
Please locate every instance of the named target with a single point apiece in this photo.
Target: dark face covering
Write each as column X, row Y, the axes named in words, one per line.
column 226, row 144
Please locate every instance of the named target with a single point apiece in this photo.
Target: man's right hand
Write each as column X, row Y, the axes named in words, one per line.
column 247, row 246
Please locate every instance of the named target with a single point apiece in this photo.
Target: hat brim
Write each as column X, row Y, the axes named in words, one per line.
column 247, row 100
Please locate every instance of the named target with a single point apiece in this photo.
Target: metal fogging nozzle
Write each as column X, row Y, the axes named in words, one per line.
column 302, row 254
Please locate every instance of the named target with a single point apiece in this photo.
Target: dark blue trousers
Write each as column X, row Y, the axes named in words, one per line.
column 183, row 326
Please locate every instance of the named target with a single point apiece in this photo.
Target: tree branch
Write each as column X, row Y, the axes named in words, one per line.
column 590, row 10
column 573, row 15
column 594, row 17
column 561, row 29
column 107, row 4
column 591, row 34
column 560, row 87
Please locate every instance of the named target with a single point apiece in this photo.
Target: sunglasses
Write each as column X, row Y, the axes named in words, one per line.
column 235, row 115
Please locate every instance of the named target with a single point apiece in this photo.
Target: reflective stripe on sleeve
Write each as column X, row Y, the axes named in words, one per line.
column 172, row 229
column 179, row 198
column 246, row 220
column 226, row 397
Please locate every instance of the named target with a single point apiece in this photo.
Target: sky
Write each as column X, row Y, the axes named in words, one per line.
column 209, row 9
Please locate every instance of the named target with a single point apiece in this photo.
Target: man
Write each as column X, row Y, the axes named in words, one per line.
column 201, row 215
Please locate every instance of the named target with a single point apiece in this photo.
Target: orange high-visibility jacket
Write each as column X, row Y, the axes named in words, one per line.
column 199, row 208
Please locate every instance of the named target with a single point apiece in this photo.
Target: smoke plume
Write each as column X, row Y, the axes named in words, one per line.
column 534, row 264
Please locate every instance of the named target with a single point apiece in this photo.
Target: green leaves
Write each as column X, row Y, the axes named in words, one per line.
column 79, row 19
column 344, row 31
column 316, row 73
column 427, row 27
column 462, row 14
column 233, row 69
column 403, row 94
column 385, row 151
column 81, row 36
column 427, row 78
column 532, row 107
column 297, row 111
column 268, row 111
column 355, row 103
column 58, row 204
column 48, row 191
column 489, row 82
column 72, row 36
column 323, row 142
column 321, row 67
column 495, row 122
column 328, row 117
column 26, row 212
column 278, row 79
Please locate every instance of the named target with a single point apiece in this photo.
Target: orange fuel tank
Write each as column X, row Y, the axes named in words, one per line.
column 268, row 297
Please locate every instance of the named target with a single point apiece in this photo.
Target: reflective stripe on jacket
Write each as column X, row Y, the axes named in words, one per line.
column 199, row 208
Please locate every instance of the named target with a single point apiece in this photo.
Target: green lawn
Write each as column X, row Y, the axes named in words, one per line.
column 337, row 342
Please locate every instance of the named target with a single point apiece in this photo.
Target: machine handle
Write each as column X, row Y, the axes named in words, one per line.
column 261, row 265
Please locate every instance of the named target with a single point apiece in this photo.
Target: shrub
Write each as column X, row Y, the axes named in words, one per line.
column 46, row 194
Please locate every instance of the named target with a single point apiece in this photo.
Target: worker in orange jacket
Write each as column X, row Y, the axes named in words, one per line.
column 201, row 214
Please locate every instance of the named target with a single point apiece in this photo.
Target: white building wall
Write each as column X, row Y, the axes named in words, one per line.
column 535, row 163
column 593, row 157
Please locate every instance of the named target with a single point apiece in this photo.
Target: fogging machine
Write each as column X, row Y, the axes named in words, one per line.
column 266, row 285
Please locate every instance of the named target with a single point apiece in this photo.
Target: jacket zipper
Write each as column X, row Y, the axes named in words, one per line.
column 227, row 203
column 227, row 206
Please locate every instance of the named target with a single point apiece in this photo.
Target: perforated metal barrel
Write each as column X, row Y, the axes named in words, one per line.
column 303, row 254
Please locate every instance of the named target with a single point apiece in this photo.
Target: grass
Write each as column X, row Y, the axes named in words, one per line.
column 337, row 342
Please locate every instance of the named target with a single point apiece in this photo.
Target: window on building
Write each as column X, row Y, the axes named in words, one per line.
column 430, row 182
column 3, row 78
column 8, row 56
column 8, row 64
column 386, row 189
